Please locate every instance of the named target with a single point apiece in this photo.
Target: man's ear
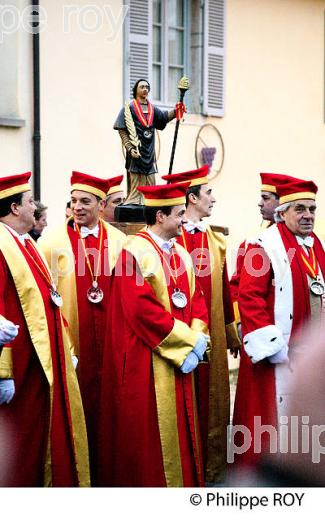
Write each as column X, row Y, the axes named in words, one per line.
column 14, row 209
column 192, row 198
column 102, row 204
column 160, row 216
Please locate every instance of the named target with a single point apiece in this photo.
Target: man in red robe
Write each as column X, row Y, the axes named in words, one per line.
column 208, row 251
column 82, row 253
column 156, row 336
column 281, row 290
column 268, row 203
column 43, row 437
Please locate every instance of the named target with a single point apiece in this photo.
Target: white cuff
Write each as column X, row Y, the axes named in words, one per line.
column 263, row 343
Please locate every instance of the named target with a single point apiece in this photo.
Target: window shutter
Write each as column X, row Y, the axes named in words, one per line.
column 214, row 57
column 138, row 35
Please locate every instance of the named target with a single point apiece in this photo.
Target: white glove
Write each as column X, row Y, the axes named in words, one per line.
column 8, row 331
column 201, row 345
column 7, row 390
column 281, row 356
column 74, row 361
column 190, row 363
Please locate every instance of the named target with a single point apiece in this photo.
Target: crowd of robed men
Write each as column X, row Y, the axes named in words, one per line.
column 114, row 365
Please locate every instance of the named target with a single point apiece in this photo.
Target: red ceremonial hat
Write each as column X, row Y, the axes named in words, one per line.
column 164, row 195
column 296, row 190
column 90, row 184
column 270, row 181
column 195, row 177
column 115, row 184
column 14, row 184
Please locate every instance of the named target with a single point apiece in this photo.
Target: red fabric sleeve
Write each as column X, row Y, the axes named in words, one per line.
column 199, row 308
column 144, row 314
column 256, row 292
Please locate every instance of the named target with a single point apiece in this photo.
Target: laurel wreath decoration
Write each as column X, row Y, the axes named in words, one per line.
column 134, row 140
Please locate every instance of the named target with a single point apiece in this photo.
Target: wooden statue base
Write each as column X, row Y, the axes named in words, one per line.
column 129, row 218
column 129, row 228
column 129, row 213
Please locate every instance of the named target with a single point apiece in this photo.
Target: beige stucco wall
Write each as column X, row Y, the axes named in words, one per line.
column 274, row 118
column 81, row 92
column 274, row 101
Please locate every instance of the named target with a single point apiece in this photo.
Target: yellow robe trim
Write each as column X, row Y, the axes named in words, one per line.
column 219, row 393
column 171, row 351
column 34, row 312
column 232, row 335
column 5, row 360
column 6, row 371
column 58, row 252
column 236, row 312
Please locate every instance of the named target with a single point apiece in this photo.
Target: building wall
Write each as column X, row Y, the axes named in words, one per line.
column 82, row 84
column 274, row 103
column 274, row 100
column 16, row 142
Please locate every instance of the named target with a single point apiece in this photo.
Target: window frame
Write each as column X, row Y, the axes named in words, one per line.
column 164, row 102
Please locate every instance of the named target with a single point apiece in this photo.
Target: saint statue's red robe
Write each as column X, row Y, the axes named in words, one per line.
column 43, row 437
column 149, row 430
column 212, row 379
column 273, row 296
column 64, row 251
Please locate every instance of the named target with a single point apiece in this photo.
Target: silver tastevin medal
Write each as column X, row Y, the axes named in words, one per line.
column 147, row 134
column 317, row 287
column 179, row 299
column 56, row 297
column 95, row 294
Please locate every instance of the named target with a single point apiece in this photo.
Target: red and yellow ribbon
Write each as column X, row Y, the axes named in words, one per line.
column 140, row 115
column 311, row 265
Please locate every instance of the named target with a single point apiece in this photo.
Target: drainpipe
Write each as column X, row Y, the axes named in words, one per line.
column 36, row 105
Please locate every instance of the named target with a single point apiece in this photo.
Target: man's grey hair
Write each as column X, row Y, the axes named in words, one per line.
column 277, row 211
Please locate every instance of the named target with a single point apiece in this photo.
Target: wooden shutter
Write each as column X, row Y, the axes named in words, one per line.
column 138, row 36
column 214, row 57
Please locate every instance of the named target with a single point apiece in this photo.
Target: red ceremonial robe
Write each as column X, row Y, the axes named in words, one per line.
column 86, row 320
column 149, row 433
column 92, row 328
column 37, row 434
column 256, row 388
column 235, row 279
column 212, row 380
